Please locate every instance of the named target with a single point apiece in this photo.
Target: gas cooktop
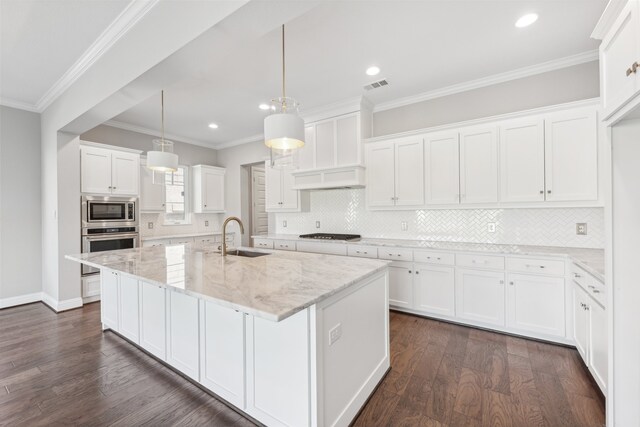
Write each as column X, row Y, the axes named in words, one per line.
column 330, row 236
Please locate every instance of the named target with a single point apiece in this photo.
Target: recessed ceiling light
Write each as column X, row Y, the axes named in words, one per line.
column 373, row 71
column 213, row 126
column 264, row 106
column 526, row 20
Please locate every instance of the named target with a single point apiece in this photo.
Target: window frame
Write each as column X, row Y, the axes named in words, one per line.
column 188, row 212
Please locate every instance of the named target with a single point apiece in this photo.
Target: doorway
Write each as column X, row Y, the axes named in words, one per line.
column 259, row 217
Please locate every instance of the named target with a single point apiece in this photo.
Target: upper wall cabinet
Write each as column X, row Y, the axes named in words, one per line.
column 479, row 165
column 620, row 60
column 441, row 169
column 279, row 193
column 110, row 172
column 208, row 189
column 152, row 195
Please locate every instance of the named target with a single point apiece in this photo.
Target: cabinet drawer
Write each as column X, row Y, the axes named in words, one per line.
column 182, row 241
column 434, row 257
column 481, row 261
column 395, row 254
column 590, row 284
column 263, row 243
column 151, row 243
column 533, row 265
column 284, row 245
column 91, row 286
column 206, row 239
column 363, row 251
column 322, row 248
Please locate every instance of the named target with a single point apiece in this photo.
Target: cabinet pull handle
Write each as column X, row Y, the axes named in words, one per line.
column 595, row 291
column 511, row 283
column 548, row 191
column 409, row 271
column 591, row 287
column 576, row 275
column 541, row 191
column 633, row 69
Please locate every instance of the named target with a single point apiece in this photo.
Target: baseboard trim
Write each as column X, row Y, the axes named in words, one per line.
column 59, row 306
column 20, row 300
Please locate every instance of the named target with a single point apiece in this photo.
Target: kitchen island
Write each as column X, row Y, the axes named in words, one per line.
column 291, row 339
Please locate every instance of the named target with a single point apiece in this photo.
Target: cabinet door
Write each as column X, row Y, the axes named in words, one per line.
column 222, row 338
column 598, row 343
column 434, row 289
column 618, row 51
column 479, row 166
column 347, row 140
column 153, row 331
column 129, row 309
column 522, row 161
column 536, row 304
column 380, row 174
column 442, row 169
column 213, row 188
column 325, row 144
column 480, row 296
column 290, row 197
column 183, row 333
column 125, row 173
column 95, row 170
column 409, row 173
column 580, row 322
column 401, row 286
column 152, row 195
column 273, row 187
column 306, row 155
column 109, row 299
column 571, row 155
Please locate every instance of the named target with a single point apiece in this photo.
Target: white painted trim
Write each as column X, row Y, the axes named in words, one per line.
column 12, row 103
column 134, row 11
column 334, row 109
column 21, row 299
column 611, row 12
column 519, row 73
column 156, row 132
column 59, row 306
column 508, row 116
column 84, row 143
column 241, row 141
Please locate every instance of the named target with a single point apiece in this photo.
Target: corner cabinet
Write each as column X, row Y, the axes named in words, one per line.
column 280, row 196
column 208, row 189
column 109, row 172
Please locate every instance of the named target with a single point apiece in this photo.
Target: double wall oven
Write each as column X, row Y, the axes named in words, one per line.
column 108, row 223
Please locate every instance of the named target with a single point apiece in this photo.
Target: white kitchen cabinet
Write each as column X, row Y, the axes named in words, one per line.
column 183, row 333
column 522, row 160
column 442, row 169
column 279, row 193
column 208, row 189
column 581, row 322
column 479, row 165
column 598, row 351
column 325, row 142
column 182, row 240
column 152, row 195
column 306, row 154
column 153, row 331
column 129, row 307
column 348, row 148
column 480, row 296
column 395, row 173
column 401, row 285
column 109, row 302
column 222, row 356
column 336, row 141
column 536, row 304
column 434, row 289
column 155, row 242
column 619, row 58
column 110, row 172
column 571, row 155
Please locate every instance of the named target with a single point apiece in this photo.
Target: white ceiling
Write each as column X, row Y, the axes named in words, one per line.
column 420, row 46
column 41, row 40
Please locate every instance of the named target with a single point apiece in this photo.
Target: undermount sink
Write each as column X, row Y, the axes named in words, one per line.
column 248, row 254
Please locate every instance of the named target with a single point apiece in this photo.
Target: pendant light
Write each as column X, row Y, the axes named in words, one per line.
column 161, row 158
column 284, row 128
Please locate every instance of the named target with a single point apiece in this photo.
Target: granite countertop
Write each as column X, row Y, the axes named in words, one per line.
column 180, row 236
column 592, row 260
column 273, row 287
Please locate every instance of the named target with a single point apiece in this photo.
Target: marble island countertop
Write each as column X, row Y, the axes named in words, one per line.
column 592, row 260
column 183, row 235
column 273, row 287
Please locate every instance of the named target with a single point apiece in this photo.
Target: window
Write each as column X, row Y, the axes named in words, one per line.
column 176, row 211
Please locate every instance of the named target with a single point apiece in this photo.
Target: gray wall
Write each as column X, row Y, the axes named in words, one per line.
column 188, row 154
column 20, row 208
column 554, row 87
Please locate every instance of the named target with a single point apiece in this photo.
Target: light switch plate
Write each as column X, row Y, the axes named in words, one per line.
column 317, row 224
column 206, row 223
column 491, row 227
column 150, row 225
column 404, row 226
column 581, row 228
column 335, row 333
column 284, row 224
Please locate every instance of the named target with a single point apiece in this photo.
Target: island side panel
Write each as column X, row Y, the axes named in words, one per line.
column 352, row 344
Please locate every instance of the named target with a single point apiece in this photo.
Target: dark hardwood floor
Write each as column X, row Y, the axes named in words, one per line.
column 62, row 370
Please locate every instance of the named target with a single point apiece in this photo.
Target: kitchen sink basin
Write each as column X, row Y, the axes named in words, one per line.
column 248, row 254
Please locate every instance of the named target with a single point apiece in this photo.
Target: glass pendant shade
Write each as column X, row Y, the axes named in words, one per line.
column 284, row 133
column 162, row 158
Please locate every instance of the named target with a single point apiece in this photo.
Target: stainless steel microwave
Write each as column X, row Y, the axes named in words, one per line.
column 106, row 211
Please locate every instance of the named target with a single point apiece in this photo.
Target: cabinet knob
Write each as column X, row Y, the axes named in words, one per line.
column 409, row 271
column 417, row 272
column 541, row 191
column 511, row 283
column 548, row 191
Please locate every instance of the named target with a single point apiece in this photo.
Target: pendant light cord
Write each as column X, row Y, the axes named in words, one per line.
column 162, row 120
column 284, row 102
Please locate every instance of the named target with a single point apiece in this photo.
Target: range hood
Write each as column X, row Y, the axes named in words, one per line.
column 330, row 178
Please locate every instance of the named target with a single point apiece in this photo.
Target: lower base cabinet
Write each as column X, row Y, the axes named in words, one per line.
column 434, row 289
column 129, row 309
column 401, row 285
column 536, row 304
column 590, row 334
column 480, row 296
column 109, row 290
column 183, row 336
column 153, row 319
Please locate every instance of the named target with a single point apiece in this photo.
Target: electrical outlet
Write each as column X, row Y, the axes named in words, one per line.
column 284, row 224
column 317, row 224
column 206, row 223
column 404, row 226
column 150, row 225
column 335, row 333
column 491, row 227
column 581, row 228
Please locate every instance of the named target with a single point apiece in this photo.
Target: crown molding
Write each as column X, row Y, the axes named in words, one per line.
column 12, row 103
column 609, row 16
column 519, row 73
column 157, row 133
column 134, row 11
column 241, row 141
column 344, row 106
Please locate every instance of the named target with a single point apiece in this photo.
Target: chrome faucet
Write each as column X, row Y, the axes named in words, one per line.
column 224, row 232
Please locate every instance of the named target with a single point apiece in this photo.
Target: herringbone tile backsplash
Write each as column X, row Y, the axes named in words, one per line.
column 343, row 211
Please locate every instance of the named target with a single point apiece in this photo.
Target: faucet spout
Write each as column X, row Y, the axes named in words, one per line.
column 224, row 232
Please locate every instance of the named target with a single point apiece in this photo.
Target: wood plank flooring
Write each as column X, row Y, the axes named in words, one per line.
column 63, row 370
